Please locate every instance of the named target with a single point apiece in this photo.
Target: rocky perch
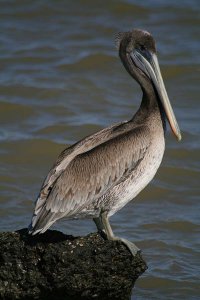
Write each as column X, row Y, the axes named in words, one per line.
column 58, row 266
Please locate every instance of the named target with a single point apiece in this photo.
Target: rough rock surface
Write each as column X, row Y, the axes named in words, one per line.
column 57, row 266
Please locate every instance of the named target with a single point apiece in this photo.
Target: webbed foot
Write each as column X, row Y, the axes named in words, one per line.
column 105, row 230
column 131, row 246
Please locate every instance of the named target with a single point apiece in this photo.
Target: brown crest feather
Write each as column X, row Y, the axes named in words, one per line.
column 118, row 38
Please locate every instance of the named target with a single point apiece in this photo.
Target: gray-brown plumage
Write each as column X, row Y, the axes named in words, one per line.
column 101, row 173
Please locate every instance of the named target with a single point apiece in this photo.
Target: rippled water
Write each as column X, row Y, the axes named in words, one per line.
column 61, row 79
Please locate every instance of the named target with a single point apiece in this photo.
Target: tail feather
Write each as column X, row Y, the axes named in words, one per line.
column 43, row 220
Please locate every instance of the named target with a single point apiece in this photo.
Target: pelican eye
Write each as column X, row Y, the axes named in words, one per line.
column 144, row 51
column 142, row 48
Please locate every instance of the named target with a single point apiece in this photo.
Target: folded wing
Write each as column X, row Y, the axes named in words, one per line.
column 87, row 177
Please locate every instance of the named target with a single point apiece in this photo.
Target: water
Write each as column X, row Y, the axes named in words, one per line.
column 61, row 79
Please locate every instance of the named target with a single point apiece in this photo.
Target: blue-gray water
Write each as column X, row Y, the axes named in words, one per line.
column 61, row 79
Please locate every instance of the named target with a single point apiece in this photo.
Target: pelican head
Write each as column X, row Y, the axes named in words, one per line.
column 138, row 54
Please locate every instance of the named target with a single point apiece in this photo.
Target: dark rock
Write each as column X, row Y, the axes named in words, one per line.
column 57, row 266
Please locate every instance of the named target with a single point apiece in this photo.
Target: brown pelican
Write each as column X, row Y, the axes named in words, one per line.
column 98, row 175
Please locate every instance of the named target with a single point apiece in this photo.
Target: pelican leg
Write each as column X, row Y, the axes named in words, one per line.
column 103, row 226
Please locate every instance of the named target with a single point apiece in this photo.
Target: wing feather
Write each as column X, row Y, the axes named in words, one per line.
column 88, row 176
column 70, row 153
